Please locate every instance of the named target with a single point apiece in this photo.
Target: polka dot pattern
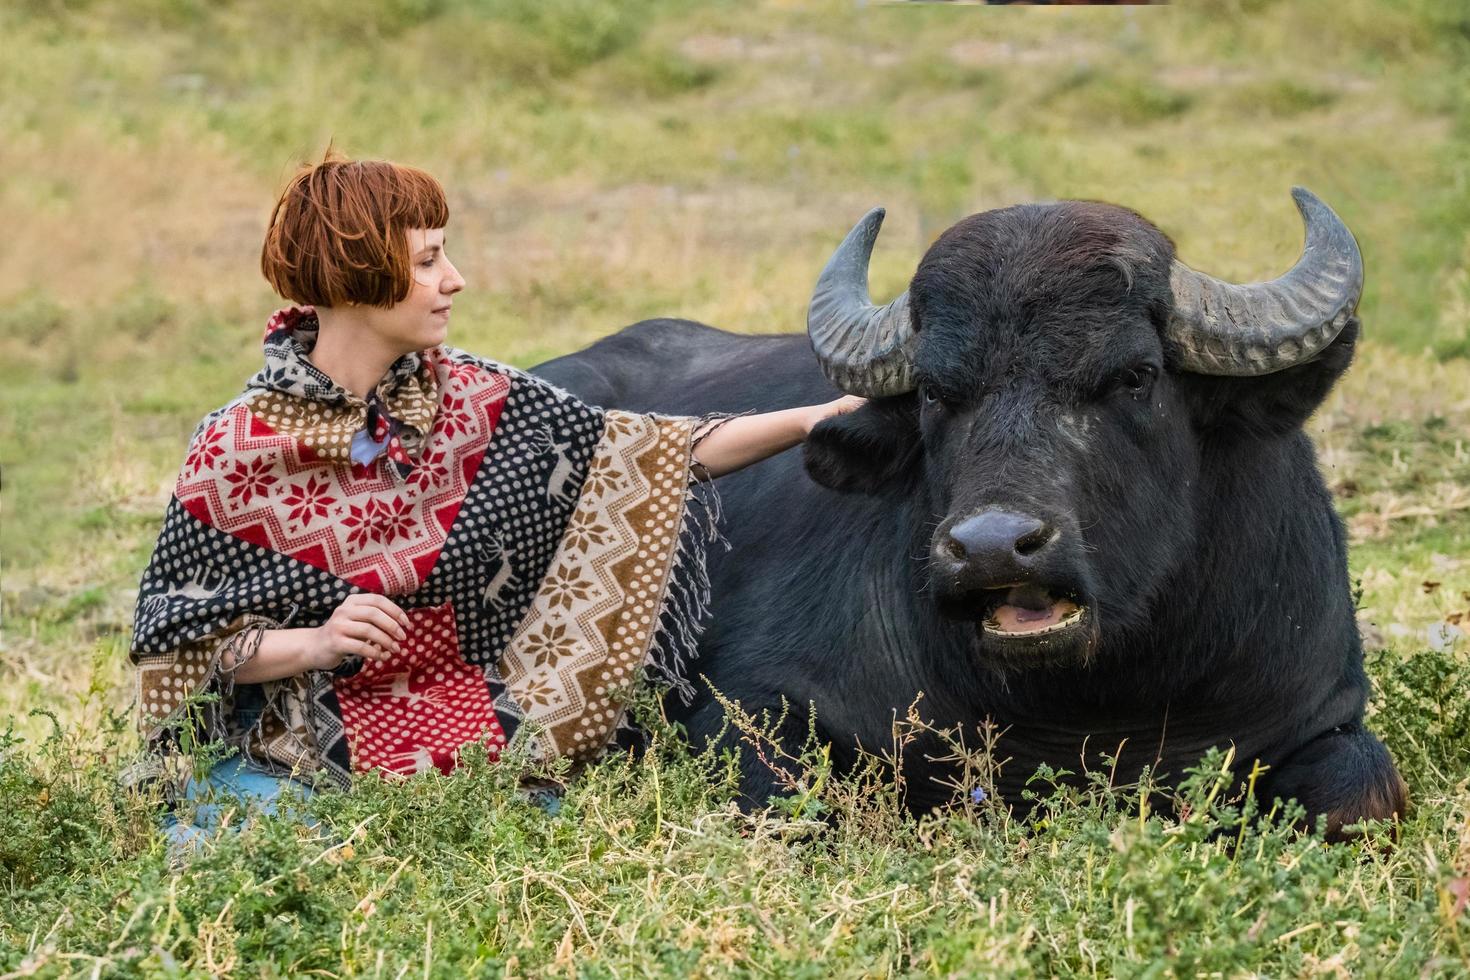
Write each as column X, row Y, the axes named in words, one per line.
column 324, row 429
column 416, row 709
column 201, row 579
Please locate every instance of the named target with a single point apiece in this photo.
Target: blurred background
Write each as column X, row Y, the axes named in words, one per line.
column 606, row 162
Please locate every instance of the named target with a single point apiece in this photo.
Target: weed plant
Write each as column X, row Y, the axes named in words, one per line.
column 649, row 869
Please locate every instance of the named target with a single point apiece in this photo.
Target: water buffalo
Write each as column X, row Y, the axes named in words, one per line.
column 1080, row 503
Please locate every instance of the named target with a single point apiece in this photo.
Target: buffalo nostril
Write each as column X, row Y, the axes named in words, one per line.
column 999, row 540
column 1029, row 544
column 953, row 548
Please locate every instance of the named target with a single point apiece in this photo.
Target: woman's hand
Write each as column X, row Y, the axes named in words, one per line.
column 364, row 625
column 748, row 439
column 827, row 410
column 370, row 626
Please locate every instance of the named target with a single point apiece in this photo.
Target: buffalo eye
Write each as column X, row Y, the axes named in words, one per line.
column 1138, row 381
column 933, row 400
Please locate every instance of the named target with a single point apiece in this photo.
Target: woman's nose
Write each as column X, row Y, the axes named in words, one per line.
column 452, row 283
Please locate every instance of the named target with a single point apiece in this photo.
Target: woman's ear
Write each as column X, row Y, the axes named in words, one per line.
column 875, row 449
column 1271, row 404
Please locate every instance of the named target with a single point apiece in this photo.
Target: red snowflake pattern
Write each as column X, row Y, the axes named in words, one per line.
column 463, row 375
column 359, row 528
column 379, row 526
column 308, row 500
column 380, row 521
column 431, row 471
column 251, row 479
column 209, row 448
column 391, row 519
column 453, row 416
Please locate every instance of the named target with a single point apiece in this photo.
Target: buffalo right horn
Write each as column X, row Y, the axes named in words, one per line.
column 1222, row 328
column 863, row 349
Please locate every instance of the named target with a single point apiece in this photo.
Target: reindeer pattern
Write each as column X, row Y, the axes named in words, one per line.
column 409, row 758
column 544, row 443
column 398, row 686
column 204, row 583
column 495, row 550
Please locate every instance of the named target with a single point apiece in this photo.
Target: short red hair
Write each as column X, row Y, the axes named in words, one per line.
column 339, row 233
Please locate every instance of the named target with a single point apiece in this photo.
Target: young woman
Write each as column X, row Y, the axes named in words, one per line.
column 387, row 548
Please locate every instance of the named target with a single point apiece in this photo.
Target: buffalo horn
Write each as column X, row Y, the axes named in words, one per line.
column 863, row 349
column 1223, row 328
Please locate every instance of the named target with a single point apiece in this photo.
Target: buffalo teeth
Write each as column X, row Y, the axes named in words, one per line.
column 992, row 627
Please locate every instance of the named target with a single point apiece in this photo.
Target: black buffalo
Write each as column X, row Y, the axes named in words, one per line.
column 1080, row 503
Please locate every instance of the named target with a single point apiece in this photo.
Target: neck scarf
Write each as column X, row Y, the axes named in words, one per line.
column 391, row 421
column 538, row 545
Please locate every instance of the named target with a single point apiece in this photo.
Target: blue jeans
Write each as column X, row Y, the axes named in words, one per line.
column 233, row 784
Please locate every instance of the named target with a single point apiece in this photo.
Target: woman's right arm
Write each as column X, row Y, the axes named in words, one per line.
column 370, row 626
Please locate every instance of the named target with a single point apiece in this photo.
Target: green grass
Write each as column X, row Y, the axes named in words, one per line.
column 648, row 869
column 607, row 162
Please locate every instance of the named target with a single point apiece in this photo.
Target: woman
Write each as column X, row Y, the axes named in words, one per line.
column 387, row 548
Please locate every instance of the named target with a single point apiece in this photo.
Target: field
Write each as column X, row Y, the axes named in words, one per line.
column 609, row 162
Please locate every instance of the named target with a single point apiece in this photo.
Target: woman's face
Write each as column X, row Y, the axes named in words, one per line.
column 422, row 319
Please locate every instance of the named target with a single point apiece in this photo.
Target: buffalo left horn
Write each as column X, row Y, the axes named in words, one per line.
column 863, row 349
column 1222, row 328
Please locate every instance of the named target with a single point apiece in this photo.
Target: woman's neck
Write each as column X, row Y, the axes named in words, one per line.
column 349, row 352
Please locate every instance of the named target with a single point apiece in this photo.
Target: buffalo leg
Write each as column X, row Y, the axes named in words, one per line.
column 1345, row 775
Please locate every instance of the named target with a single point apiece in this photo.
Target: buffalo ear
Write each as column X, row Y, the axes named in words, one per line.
column 873, row 450
column 1272, row 404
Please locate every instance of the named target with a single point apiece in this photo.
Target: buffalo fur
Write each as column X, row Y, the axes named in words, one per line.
column 1191, row 517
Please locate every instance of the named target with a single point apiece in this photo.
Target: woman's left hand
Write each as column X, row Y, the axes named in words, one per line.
column 748, row 439
column 827, row 410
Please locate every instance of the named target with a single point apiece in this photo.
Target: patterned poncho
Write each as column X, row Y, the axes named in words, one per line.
column 533, row 541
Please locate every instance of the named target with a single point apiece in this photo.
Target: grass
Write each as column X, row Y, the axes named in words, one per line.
column 610, row 162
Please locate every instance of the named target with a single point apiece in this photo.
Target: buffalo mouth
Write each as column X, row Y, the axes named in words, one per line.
column 1030, row 612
